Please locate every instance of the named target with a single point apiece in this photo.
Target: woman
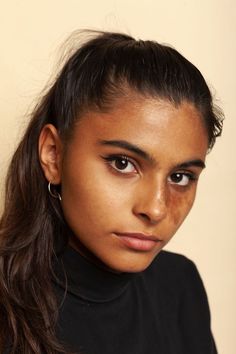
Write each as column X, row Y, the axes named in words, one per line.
column 104, row 176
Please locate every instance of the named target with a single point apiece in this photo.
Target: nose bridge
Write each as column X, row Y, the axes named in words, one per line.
column 153, row 199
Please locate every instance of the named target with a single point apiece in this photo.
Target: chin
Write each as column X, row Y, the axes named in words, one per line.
column 137, row 265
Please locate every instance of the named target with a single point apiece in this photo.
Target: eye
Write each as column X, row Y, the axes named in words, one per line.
column 121, row 164
column 181, row 178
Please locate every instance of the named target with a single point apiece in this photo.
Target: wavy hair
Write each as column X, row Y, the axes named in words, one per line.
column 32, row 227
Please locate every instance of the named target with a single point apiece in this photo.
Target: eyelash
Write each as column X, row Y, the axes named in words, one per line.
column 114, row 158
column 191, row 178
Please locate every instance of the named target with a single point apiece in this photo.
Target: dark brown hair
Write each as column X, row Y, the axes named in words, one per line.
column 32, row 225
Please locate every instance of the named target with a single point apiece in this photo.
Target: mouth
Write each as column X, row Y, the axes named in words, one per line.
column 138, row 241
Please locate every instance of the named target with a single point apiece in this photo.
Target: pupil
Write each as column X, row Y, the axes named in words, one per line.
column 177, row 177
column 121, row 164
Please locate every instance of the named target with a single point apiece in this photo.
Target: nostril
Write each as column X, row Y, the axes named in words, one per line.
column 147, row 218
column 152, row 205
column 152, row 214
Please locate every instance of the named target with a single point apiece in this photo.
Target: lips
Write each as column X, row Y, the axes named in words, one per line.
column 138, row 241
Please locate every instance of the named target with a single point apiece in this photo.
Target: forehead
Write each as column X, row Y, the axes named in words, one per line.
column 153, row 124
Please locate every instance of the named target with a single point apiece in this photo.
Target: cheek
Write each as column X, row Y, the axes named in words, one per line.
column 89, row 197
column 180, row 206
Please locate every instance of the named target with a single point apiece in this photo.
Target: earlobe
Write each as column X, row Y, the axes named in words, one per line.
column 50, row 153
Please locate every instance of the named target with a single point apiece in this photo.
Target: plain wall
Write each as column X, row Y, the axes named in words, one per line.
column 204, row 31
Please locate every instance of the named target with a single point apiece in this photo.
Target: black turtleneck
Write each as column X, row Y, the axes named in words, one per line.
column 162, row 310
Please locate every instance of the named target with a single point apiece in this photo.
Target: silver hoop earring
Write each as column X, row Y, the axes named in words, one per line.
column 55, row 194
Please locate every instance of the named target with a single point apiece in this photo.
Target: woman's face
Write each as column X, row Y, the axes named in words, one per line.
column 129, row 179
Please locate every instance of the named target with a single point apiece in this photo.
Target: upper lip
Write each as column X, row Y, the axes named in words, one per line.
column 139, row 235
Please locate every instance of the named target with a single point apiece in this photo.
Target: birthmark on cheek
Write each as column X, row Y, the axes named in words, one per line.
column 179, row 208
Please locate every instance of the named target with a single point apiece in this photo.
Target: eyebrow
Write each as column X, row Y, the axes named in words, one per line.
column 196, row 163
column 137, row 150
column 128, row 146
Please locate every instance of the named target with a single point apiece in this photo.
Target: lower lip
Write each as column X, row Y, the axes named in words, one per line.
column 137, row 243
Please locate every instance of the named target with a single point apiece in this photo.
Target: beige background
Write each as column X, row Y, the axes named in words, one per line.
column 204, row 30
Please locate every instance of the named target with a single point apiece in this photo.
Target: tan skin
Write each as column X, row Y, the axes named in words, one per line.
column 128, row 172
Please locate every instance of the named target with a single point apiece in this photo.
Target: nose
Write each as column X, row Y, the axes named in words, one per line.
column 151, row 202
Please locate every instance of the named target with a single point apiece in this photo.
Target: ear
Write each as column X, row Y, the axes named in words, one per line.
column 50, row 153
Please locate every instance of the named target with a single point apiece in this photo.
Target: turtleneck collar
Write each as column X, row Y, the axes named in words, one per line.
column 87, row 280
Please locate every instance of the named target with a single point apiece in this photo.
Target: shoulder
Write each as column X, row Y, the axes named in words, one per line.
column 167, row 258
column 173, row 264
column 174, row 272
column 174, row 282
